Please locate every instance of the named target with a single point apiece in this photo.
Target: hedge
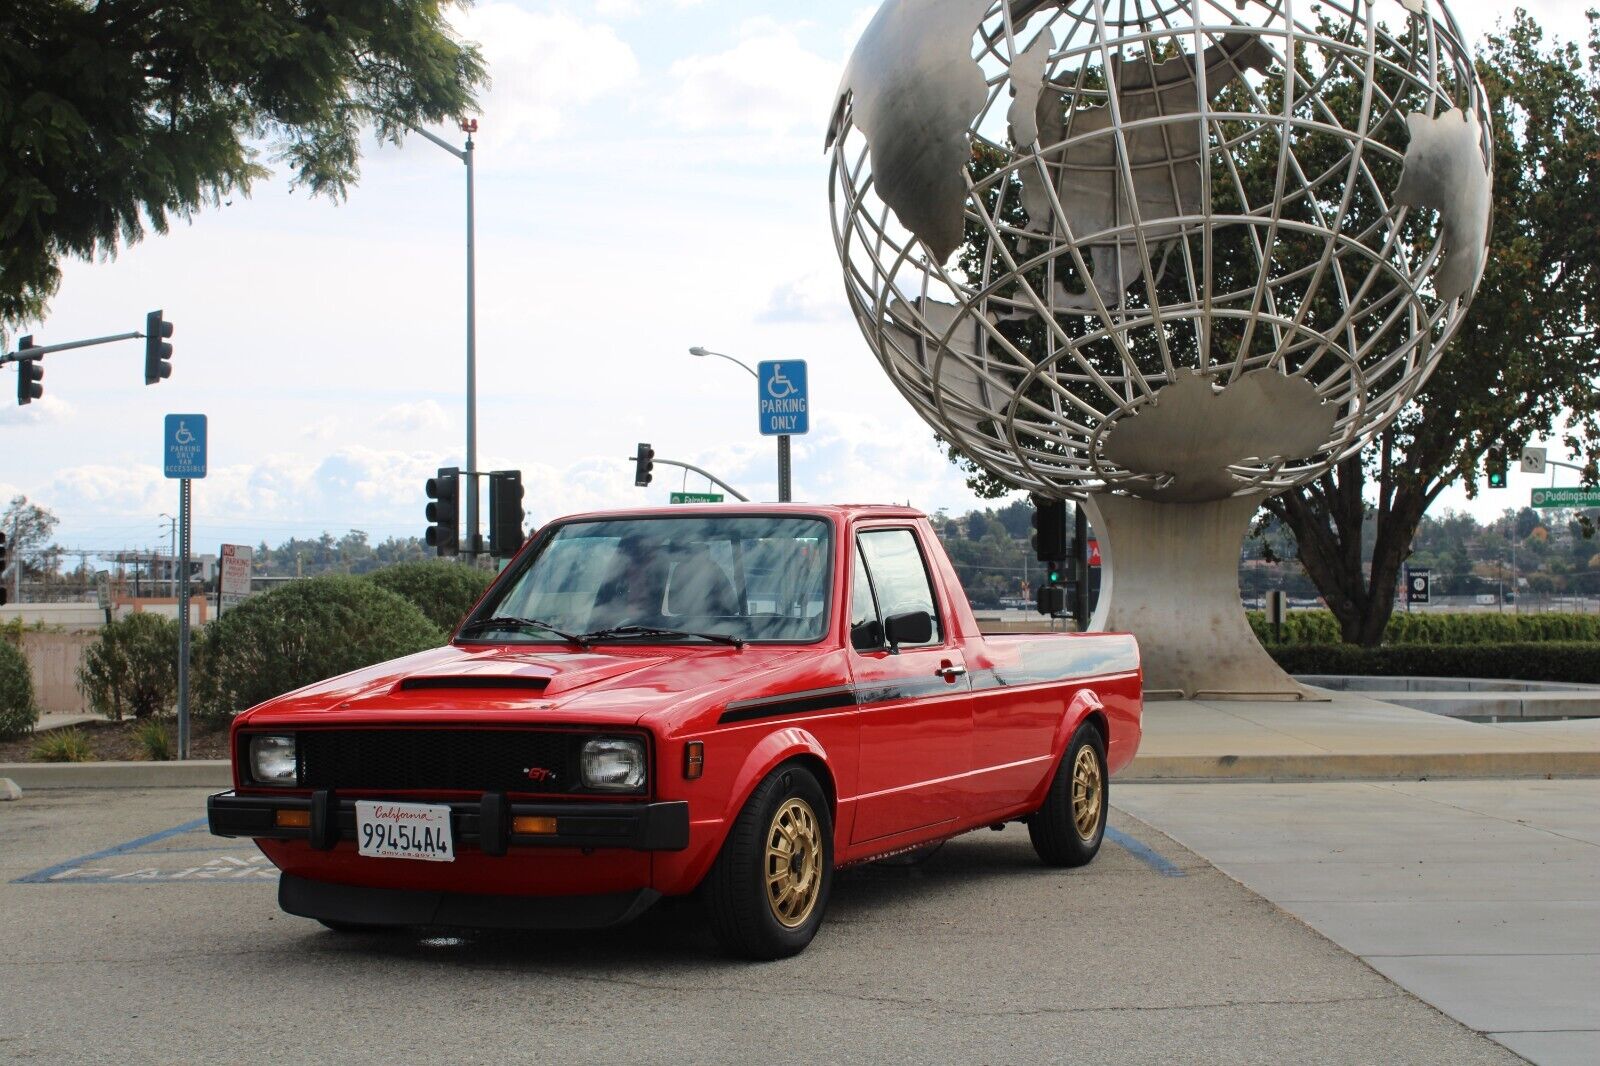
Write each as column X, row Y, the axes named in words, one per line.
column 18, row 711
column 443, row 591
column 1550, row 660
column 132, row 666
column 1486, row 627
column 300, row 633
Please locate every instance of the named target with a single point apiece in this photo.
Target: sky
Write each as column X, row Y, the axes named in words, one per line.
column 650, row 176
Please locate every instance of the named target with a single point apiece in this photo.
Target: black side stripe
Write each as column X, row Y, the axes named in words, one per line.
column 821, row 699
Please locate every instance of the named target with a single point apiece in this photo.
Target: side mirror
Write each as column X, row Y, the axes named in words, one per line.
column 913, row 627
column 866, row 636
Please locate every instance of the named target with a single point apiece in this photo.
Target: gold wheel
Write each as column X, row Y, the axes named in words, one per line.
column 793, row 868
column 1087, row 792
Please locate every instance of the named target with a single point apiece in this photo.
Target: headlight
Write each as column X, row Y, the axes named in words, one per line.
column 615, row 764
column 272, row 760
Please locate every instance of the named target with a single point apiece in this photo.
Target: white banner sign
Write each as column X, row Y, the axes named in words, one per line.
column 236, row 560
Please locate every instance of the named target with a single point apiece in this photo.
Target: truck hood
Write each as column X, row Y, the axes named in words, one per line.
column 610, row 685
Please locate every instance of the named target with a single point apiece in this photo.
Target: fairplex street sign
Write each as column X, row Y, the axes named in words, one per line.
column 1553, row 497
column 696, row 497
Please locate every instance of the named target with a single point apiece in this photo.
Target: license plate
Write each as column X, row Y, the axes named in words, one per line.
column 404, row 831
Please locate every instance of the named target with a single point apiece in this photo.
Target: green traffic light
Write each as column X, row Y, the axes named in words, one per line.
column 1055, row 576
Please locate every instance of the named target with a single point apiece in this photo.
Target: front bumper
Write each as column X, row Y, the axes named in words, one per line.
column 357, row 905
column 484, row 824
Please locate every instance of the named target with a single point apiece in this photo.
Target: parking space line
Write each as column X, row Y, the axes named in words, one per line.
column 1145, row 854
column 42, row 876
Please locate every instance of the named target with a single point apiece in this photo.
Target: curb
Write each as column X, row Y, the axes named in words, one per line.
column 1408, row 766
column 195, row 773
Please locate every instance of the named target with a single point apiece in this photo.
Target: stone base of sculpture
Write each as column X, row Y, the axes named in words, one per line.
column 1170, row 576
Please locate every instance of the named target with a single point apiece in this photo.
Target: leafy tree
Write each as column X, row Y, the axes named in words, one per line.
column 28, row 529
column 132, row 667
column 444, row 592
column 125, row 113
column 1526, row 357
column 18, row 711
column 300, row 633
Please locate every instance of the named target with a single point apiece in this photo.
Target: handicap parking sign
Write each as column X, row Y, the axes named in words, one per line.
column 781, row 397
column 185, row 446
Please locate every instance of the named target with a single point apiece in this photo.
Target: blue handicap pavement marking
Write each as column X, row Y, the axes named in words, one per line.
column 184, row 446
column 782, row 397
column 155, row 858
column 1145, row 854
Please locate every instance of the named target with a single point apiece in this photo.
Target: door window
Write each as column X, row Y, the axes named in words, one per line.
column 899, row 576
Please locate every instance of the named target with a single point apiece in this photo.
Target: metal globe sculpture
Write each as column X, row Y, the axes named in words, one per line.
column 1169, row 249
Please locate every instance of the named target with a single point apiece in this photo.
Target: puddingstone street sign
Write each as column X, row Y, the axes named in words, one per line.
column 1554, row 497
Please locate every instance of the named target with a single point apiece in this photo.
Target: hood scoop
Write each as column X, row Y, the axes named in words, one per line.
column 493, row 682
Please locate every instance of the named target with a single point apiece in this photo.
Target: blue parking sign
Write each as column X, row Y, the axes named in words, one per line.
column 782, row 399
column 185, row 446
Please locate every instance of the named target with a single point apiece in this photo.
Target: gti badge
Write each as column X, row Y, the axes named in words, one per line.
column 539, row 773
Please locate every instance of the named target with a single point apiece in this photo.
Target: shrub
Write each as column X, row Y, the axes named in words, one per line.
column 132, row 667
column 444, row 592
column 298, row 634
column 18, row 711
column 154, row 738
column 1549, row 660
column 1465, row 627
column 63, row 745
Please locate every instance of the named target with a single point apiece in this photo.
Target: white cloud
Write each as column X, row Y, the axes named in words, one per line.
column 625, row 9
column 425, row 416
column 769, row 82
column 543, row 65
column 46, row 410
column 816, row 297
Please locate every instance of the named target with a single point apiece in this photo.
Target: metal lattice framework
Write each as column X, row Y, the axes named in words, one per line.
column 1182, row 250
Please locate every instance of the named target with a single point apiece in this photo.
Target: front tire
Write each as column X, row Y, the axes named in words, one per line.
column 1068, row 829
column 766, row 893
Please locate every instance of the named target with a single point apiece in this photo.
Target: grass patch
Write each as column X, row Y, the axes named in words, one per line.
column 63, row 745
column 154, row 739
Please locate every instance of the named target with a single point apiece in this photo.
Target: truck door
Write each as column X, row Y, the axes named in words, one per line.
column 915, row 698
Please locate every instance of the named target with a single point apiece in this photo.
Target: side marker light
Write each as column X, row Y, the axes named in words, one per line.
column 694, row 759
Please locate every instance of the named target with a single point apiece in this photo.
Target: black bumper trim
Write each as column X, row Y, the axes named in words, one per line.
column 356, row 905
column 662, row 826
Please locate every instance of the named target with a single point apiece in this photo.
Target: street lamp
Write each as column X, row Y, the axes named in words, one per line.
column 469, row 126
column 783, row 439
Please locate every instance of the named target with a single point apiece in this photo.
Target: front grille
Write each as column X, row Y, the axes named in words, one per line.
column 467, row 760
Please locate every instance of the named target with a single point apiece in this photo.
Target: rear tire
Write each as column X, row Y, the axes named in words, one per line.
column 766, row 893
column 1068, row 829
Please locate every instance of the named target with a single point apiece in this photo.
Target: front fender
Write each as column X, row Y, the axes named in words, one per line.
column 773, row 750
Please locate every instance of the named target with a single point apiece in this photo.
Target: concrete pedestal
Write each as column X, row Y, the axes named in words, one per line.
column 1170, row 576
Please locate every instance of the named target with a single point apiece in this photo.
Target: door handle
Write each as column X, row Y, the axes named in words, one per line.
column 950, row 673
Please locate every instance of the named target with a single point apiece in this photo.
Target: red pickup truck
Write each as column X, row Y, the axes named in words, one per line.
column 735, row 700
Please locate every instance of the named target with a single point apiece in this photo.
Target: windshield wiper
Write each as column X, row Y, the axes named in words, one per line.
column 657, row 631
column 484, row 625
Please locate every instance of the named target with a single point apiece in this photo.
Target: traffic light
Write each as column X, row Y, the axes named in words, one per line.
column 505, row 513
column 1049, row 530
column 1052, row 600
column 644, row 464
column 1494, row 465
column 444, row 512
column 30, row 374
column 157, row 352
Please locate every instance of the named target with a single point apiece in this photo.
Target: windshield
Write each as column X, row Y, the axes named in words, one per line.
column 755, row 578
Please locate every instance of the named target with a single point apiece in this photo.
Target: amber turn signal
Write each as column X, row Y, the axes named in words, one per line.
column 292, row 819
column 533, row 825
column 694, row 759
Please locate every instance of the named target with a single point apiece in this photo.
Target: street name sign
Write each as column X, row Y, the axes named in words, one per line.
column 1553, row 497
column 696, row 497
column 235, row 566
column 185, row 446
column 782, row 398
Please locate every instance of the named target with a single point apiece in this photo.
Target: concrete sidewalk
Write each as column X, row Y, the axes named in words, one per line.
column 1350, row 737
column 1481, row 897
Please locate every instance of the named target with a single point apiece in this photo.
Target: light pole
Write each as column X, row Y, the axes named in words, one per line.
column 469, row 126
column 172, row 526
column 783, row 439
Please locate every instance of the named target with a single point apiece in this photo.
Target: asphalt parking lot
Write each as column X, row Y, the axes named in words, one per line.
column 132, row 936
